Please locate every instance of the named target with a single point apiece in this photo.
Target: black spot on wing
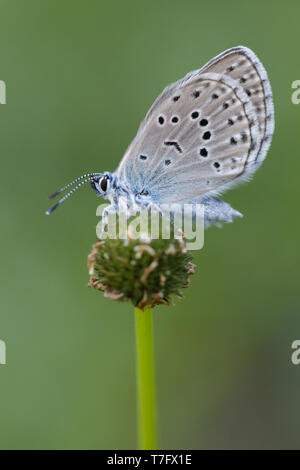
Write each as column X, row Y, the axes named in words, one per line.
column 174, row 144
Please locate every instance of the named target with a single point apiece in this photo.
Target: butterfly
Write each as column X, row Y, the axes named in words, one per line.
column 202, row 135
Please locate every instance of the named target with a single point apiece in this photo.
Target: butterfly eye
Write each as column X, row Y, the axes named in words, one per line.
column 103, row 183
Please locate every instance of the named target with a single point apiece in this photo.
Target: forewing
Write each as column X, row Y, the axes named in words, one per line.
column 205, row 132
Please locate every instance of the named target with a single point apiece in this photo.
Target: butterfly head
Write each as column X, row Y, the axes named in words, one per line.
column 101, row 183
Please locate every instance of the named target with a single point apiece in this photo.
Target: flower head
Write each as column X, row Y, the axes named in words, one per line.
column 145, row 271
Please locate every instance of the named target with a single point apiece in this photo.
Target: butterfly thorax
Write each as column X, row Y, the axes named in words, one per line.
column 118, row 194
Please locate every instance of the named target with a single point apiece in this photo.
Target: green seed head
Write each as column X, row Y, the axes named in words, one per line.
column 145, row 271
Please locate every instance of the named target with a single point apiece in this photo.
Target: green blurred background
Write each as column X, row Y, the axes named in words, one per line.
column 80, row 76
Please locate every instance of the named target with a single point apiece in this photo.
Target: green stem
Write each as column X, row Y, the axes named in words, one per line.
column 145, row 379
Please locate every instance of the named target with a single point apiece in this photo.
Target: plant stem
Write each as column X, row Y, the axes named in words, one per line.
column 145, row 379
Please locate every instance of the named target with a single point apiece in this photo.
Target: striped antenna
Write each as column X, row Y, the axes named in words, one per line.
column 92, row 178
column 52, row 196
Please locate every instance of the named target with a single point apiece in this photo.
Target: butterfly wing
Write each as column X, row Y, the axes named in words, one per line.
column 204, row 132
